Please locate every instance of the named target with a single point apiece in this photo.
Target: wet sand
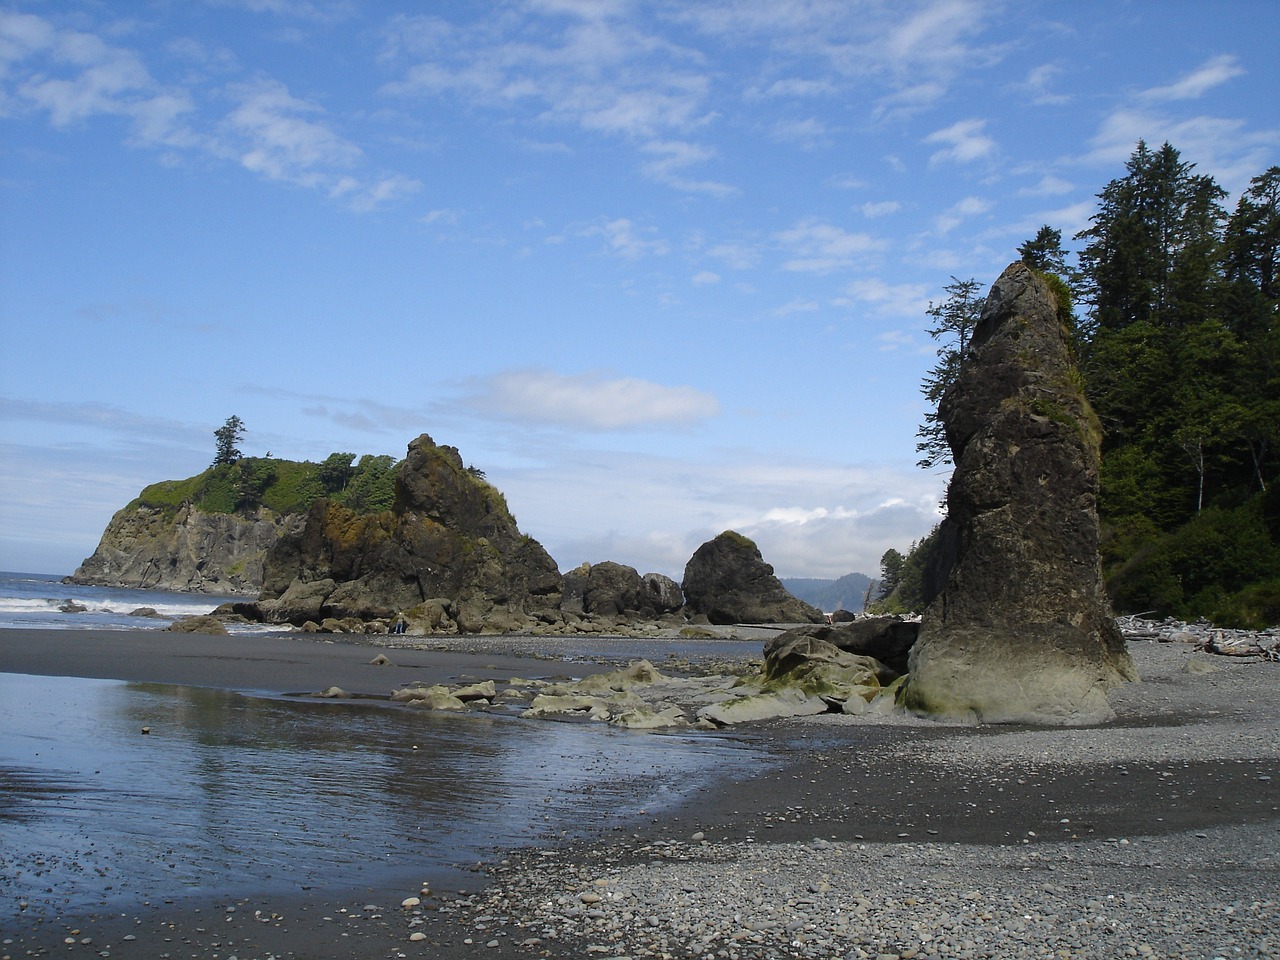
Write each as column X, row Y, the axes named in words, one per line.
column 1194, row 752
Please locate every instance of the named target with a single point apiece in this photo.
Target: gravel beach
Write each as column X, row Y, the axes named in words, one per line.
column 1156, row 835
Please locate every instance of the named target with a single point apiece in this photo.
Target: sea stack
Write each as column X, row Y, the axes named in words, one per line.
column 1022, row 630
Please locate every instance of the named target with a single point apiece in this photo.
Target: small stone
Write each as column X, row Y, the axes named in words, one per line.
column 409, row 902
column 417, row 937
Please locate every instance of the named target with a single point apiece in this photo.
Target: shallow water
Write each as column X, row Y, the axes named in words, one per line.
column 231, row 794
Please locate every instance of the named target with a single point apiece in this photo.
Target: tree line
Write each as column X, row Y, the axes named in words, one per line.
column 1173, row 304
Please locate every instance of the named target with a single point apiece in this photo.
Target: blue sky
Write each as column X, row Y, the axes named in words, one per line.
column 660, row 269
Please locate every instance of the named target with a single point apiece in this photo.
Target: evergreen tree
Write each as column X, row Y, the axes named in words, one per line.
column 1251, row 302
column 227, row 437
column 891, row 564
column 955, row 318
column 1044, row 254
column 335, row 471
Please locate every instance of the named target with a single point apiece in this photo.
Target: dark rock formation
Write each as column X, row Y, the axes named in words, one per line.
column 664, row 593
column 449, row 546
column 886, row 639
column 727, row 581
column 611, row 589
column 1022, row 630
column 187, row 550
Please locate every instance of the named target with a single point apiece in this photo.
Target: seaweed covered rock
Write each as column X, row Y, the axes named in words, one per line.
column 727, row 581
column 448, row 537
column 1022, row 630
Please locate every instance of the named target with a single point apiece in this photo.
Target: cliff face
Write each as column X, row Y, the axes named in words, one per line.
column 187, row 550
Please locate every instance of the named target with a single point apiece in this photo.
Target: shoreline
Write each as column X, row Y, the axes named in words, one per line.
column 873, row 834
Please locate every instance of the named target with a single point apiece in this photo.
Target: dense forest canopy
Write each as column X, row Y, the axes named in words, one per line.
column 1175, row 310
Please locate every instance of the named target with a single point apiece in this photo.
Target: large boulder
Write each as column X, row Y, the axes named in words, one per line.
column 448, row 537
column 727, row 581
column 886, row 639
column 1022, row 630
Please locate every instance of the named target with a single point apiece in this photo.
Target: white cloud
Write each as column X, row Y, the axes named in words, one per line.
column 967, row 142
column 738, row 256
column 807, row 133
column 1223, row 148
column 704, row 278
column 798, row 305
column 588, row 401
column 891, row 299
column 653, row 512
column 80, row 76
column 1049, row 185
column 593, row 70
column 623, row 238
column 882, row 208
column 818, row 247
column 1037, row 86
column 955, row 215
column 673, row 157
column 278, row 137
column 1210, row 74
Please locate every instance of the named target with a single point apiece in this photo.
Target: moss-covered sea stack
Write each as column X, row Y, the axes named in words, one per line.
column 448, row 544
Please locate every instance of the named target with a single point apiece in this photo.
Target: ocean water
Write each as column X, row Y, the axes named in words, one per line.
column 43, row 601
column 227, row 794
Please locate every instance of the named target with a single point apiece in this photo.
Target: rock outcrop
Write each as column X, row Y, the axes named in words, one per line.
column 449, row 549
column 185, row 550
column 886, row 639
column 1022, row 630
column 727, row 581
column 611, row 589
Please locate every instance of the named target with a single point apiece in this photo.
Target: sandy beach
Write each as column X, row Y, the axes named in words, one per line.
column 1155, row 835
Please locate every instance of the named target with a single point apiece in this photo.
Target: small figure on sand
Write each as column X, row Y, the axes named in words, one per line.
column 400, row 626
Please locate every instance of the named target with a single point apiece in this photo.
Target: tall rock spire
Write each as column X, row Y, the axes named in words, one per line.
column 1022, row 630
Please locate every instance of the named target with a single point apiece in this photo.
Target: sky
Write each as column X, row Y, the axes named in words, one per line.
column 659, row 269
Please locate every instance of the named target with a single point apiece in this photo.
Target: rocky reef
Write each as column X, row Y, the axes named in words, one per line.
column 1022, row 630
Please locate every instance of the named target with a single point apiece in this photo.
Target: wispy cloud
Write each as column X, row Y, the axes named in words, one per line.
column 1227, row 148
column 813, row 246
column 1210, row 74
column 74, row 76
column 892, row 299
column 589, row 401
column 672, row 158
column 955, row 215
column 624, row 239
column 966, row 141
column 881, row 208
